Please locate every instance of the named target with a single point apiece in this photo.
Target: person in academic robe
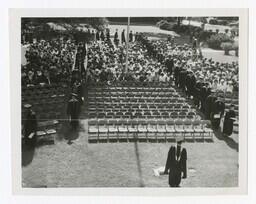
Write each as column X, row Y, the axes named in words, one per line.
column 183, row 162
column 130, row 36
column 30, row 127
column 209, row 102
column 217, row 113
column 108, row 35
column 97, row 35
column 116, row 38
column 102, row 36
column 176, row 164
column 170, row 158
column 73, row 110
column 228, row 121
column 169, row 64
column 123, row 36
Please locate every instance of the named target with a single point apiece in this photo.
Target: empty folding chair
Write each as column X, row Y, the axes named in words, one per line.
column 198, row 129
column 142, row 129
column 151, row 129
column 188, row 129
column 161, row 130
column 112, row 130
column 182, row 114
column 103, row 129
column 93, row 131
column 170, row 129
column 132, row 126
column 174, row 115
column 122, row 129
column 165, row 115
column 179, row 128
column 207, row 129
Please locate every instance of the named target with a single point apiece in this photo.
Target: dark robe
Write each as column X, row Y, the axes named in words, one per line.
column 97, row 35
column 102, row 36
column 123, row 37
column 30, row 126
column 73, row 111
column 130, row 37
column 218, row 109
column 228, row 122
column 175, row 166
column 209, row 105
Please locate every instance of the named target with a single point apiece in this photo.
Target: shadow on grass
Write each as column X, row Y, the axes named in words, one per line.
column 138, row 163
column 228, row 140
column 27, row 154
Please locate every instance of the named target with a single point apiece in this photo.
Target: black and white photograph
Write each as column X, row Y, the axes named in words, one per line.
column 131, row 101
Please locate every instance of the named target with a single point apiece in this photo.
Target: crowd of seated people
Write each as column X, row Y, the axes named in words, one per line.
column 178, row 58
column 107, row 63
column 48, row 62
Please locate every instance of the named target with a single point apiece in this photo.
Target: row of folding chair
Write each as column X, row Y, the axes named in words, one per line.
column 113, row 129
column 148, row 114
column 139, row 106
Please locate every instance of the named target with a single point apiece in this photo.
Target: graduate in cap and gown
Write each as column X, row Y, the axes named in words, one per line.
column 30, row 126
column 176, row 165
column 217, row 113
column 73, row 110
column 123, row 36
column 229, row 119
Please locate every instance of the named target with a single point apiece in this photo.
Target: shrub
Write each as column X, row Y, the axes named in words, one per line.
column 215, row 40
column 227, row 46
column 165, row 25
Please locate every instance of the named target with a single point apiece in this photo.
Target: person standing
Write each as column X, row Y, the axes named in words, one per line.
column 30, row 127
column 229, row 121
column 123, row 36
column 176, row 165
column 97, row 35
column 130, row 36
column 73, row 110
column 217, row 113
column 116, row 38
column 102, row 36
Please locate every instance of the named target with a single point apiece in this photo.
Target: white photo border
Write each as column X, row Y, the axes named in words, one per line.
column 15, row 16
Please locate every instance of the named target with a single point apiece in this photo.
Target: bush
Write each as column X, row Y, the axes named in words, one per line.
column 227, row 46
column 165, row 25
column 215, row 40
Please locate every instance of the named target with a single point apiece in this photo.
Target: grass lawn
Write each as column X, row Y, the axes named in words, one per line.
column 72, row 162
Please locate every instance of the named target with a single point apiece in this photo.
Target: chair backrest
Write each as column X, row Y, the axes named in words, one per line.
column 92, row 122
column 170, row 122
column 102, row 122
column 112, row 122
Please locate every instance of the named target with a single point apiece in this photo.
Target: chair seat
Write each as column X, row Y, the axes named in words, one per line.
column 93, row 129
column 51, row 131
column 199, row 130
column 40, row 133
column 161, row 130
column 131, row 129
column 168, row 129
column 208, row 130
column 113, row 129
column 122, row 129
column 103, row 129
column 189, row 130
column 141, row 129
column 152, row 130
column 179, row 130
